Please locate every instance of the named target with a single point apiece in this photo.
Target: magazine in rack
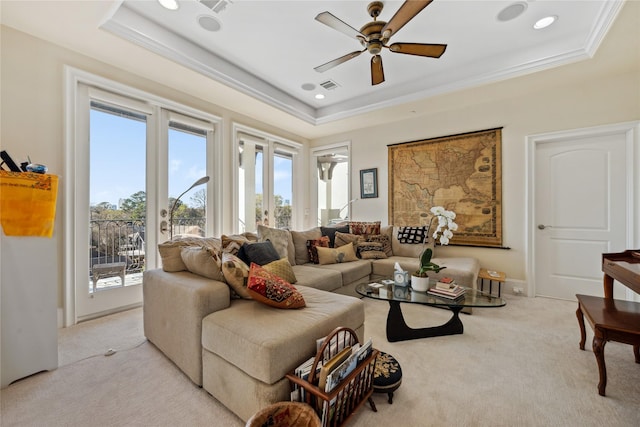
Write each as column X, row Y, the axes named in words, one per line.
column 348, row 384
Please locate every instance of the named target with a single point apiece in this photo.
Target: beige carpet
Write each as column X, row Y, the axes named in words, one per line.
column 515, row 366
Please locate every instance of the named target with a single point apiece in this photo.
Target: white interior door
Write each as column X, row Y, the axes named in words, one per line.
column 581, row 209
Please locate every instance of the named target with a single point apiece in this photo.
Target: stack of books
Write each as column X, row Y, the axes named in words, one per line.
column 447, row 288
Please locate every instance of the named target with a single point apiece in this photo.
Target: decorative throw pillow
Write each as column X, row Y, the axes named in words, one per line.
column 236, row 274
column 259, row 252
column 312, row 252
column 232, row 244
column 280, row 240
column 170, row 251
column 370, row 250
column 384, row 240
column 272, row 290
column 330, row 232
column 281, row 268
column 364, row 228
column 300, row 239
column 203, row 262
column 342, row 254
column 344, row 238
column 413, row 235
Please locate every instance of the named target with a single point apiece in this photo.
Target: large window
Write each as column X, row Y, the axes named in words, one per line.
column 332, row 176
column 266, row 170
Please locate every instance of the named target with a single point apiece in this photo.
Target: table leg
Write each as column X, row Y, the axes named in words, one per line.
column 583, row 334
column 398, row 330
column 598, row 350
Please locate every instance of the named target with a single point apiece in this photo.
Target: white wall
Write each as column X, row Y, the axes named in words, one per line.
column 602, row 90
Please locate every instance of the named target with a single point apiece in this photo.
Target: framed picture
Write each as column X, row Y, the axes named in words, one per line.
column 368, row 183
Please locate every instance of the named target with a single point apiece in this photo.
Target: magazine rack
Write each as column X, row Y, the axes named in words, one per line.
column 336, row 407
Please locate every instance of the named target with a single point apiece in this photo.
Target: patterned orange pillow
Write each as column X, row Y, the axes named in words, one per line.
column 272, row 290
column 364, row 228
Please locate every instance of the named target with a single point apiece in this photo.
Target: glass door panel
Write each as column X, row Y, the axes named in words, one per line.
column 117, row 198
column 282, row 189
column 187, row 164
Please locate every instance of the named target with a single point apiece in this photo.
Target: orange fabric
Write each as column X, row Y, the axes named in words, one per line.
column 28, row 203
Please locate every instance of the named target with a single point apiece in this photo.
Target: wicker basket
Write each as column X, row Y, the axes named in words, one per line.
column 285, row 414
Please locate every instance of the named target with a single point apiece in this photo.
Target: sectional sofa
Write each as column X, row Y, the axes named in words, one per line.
column 239, row 350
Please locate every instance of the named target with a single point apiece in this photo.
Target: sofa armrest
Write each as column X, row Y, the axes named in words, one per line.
column 174, row 306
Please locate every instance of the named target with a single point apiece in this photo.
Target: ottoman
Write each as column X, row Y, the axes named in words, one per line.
column 248, row 348
column 387, row 376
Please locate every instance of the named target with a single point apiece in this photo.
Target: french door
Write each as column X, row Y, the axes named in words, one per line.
column 266, row 188
column 133, row 162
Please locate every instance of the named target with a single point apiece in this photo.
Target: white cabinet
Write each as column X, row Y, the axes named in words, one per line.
column 29, row 296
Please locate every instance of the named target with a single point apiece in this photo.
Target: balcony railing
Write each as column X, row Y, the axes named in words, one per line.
column 121, row 243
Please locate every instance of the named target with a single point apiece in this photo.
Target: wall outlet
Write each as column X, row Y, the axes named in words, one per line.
column 517, row 290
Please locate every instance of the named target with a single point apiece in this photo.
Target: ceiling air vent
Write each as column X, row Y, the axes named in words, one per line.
column 216, row 5
column 329, row 85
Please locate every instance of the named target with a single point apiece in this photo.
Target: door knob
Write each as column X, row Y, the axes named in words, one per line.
column 542, row 226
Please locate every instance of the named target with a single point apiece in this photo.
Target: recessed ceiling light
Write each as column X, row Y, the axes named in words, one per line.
column 169, row 4
column 319, row 96
column 209, row 23
column 545, row 22
column 512, row 11
column 308, row 86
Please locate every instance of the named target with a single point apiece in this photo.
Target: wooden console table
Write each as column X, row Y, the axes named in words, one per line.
column 610, row 319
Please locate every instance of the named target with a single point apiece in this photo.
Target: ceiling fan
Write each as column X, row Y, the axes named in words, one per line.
column 374, row 36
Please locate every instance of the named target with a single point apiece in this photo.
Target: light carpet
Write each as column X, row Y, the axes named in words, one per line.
column 519, row 365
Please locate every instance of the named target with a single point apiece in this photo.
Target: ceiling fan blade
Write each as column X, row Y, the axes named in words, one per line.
column 377, row 73
column 329, row 65
column 337, row 24
column 407, row 11
column 419, row 49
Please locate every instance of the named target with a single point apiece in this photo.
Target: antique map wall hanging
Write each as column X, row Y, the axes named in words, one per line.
column 461, row 172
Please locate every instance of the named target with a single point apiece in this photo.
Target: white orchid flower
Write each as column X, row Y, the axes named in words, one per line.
column 446, row 225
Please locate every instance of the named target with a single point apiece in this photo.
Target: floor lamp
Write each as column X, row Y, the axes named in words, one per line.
column 201, row 181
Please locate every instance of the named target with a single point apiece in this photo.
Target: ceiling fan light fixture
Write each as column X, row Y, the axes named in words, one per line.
column 169, row 4
column 545, row 22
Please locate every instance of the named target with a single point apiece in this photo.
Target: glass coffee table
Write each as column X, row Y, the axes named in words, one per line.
column 397, row 328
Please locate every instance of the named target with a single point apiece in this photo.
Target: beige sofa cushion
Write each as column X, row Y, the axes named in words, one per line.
column 252, row 336
column 300, row 243
column 319, row 278
column 351, row 271
column 281, row 240
column 202, row 261
column 170, row 251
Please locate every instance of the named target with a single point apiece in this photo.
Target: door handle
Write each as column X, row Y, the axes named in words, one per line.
column 542, row 226
column 163, row 227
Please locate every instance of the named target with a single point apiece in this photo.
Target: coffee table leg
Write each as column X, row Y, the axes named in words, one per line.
column 398, row 330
